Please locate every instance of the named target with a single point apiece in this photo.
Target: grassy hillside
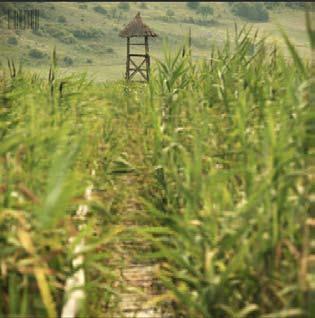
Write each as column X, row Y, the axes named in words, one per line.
column 86, row 34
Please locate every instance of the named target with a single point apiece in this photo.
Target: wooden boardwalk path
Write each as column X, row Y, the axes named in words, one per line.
column 137, row 278
column 137, row 283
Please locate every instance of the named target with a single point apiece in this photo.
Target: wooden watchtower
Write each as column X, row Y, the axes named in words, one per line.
column 137, row 29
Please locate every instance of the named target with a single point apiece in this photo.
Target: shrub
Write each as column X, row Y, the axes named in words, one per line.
column 143, row 5
column 82, row 47
column 208, row 22
column 189, row 20
column 45, row 14
column 299, row 5
column 83, row 6
column 38, row 32
column 205, row 11
column 55, row 31
column 193, row 5
column 5, row 7
column 170, row 13
column 12, row 40
column 62, row 35
column 68, row 60
column 251, row 11
column 68, row 39
column 89, row 61
column 295, row 5
column 124, row 6
column 61, row 19
column 87, row 33
column 113, row 13
column 100, row 10
column 272, row 5
column 36, row 54
column 110, row 50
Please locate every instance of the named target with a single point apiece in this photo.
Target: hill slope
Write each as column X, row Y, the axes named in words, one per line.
column 86, row 34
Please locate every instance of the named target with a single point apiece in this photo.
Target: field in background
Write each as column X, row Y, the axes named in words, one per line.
column 101, row 53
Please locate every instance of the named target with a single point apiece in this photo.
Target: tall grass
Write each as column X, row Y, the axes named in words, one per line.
column 53, row 135
column 230, row 192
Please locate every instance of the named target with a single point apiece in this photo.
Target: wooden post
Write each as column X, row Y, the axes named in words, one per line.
column 147, row 56
column 128, row 59
column 189, row 42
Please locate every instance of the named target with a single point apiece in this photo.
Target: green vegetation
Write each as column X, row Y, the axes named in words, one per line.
column 62, row 19
column 143, row 5
column 170, row 13
column 217, row 153
column 63, row 36
column 12, row 40
column 45, row 164
column 83, row 6
column 251, row 11
column 299, row 5
column 124, row 6
column 224, row 193
column 53, row 135
column 68, row 60
column 110, row 50
column 87, row 33
column 193, row 5
column 36, row 54
column 100, row 9
column 205, row 11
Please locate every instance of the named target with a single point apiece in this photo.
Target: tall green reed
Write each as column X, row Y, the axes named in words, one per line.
column 52, row 137
column 228, row 163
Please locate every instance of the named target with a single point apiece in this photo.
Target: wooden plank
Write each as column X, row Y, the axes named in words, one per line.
column 135, row 65
column 128, row 59
column 134, row 69
column 147, row 56
column 138, row 69
column 143, row 55
column 135, row 72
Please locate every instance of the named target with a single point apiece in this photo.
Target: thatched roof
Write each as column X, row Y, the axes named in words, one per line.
column 136, row 28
